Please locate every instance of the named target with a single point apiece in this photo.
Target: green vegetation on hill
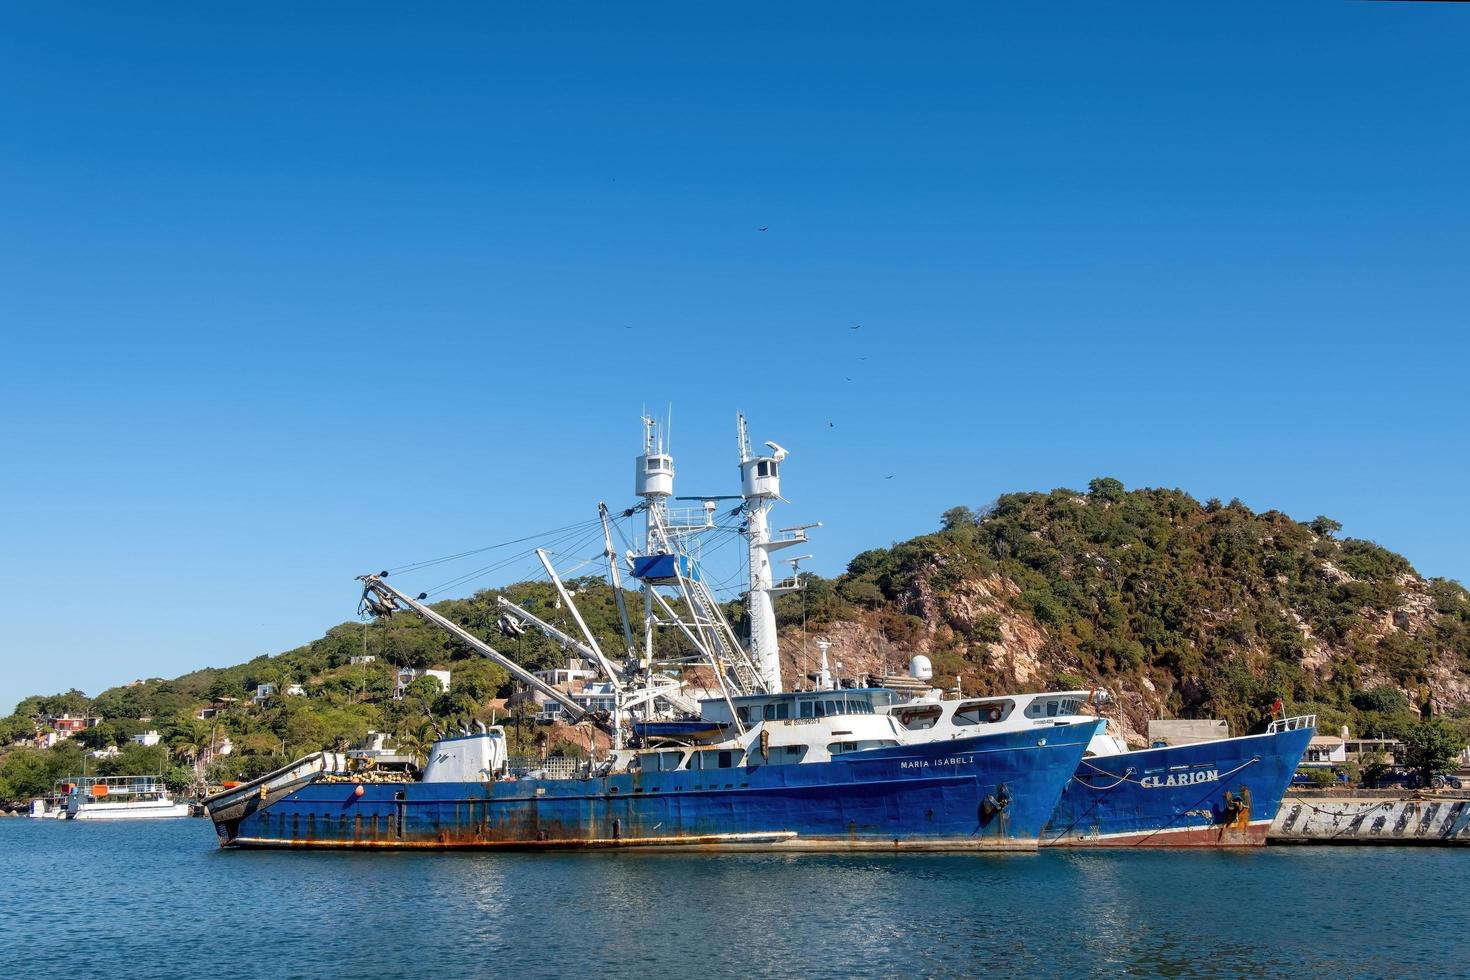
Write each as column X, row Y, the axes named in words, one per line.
column 1204, row 610
column 1220, row 608
column 341, row 702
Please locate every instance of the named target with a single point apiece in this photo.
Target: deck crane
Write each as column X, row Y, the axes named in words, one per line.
column 383, row 600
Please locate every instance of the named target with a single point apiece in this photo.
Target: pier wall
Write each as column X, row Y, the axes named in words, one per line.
column 1358, row 820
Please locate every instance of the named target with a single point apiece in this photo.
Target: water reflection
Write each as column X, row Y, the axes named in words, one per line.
column 162, row 900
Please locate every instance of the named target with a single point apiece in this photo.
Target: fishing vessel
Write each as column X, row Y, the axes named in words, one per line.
column 1216, row 793
column 749, row 765
column 1210, row 793
column 109, row 798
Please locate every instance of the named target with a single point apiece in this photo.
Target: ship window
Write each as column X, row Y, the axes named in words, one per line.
column 862, row 745
column 786, row 755
column 918, row 719
column 808, row 710
column 762, row 468
column 715, row 759
column 983, row 713
column 1051, row 709
column 768, row 712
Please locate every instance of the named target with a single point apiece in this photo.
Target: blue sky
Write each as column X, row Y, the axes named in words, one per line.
column 293, row 292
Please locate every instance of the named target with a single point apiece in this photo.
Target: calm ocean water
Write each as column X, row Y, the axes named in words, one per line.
column 162, row 900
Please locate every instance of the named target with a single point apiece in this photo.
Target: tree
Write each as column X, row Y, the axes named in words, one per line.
column 99, row 736
column 16, row 727
column 1324, row 526
column 26, row 774
column 1105, row 488
column 414, row 742
column 958, row 517
column 1430, row 747
column 425, row 690
column 1384, row 699
column 1373, row 766
column 191, row 742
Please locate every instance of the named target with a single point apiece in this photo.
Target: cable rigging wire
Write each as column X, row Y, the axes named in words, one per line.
column 414, row 566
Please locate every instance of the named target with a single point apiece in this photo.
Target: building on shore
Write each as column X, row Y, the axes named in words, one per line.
column 407, row 675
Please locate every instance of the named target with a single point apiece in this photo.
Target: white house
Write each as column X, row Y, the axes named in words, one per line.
column 295, row 690
column 62, row 727
column 263, row 693
column 407, row 675
column 576, row 670
column 361, row 659
column 596, row 697
column 150, row 737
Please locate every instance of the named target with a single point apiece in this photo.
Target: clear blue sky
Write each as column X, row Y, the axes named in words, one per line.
column 295, row 291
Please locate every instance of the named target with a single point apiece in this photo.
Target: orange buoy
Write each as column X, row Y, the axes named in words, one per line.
column 99, row 789
column 358, row 790
column 230, row 783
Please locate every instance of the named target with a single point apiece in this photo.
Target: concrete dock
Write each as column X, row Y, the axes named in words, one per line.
column 1363, row 819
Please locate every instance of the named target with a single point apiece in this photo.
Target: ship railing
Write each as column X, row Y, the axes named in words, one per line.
column 118, row 785
column 552, row 767
column 1291, row 724
column 686, row 519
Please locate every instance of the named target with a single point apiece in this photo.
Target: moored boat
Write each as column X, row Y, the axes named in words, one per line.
column 845, row 781
column 110, row 798
column 1218, row 793
column 1211, row 793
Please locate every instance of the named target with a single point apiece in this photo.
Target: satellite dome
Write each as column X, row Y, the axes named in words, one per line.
column 921, row 668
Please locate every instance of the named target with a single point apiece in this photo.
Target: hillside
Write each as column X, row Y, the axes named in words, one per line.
column 1180, row 608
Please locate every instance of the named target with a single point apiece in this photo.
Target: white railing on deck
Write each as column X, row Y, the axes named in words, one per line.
column 553, row 767
column 1292, row 724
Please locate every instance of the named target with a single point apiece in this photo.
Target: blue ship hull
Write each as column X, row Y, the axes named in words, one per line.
column 1223, row 793
column 987, row 792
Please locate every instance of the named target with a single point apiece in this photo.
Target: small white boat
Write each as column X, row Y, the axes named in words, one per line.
column 116, row 798
column 48, row 808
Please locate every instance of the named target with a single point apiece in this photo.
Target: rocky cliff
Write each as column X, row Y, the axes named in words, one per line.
column 1180, row 608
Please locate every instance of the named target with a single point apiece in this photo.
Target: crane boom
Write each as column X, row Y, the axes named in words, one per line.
column 382, row 599
column 551, row 632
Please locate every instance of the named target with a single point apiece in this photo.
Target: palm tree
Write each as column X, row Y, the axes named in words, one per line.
column 415, row 743
column 190, row 744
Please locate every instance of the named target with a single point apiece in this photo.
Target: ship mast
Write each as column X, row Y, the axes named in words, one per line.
column 760, row 487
